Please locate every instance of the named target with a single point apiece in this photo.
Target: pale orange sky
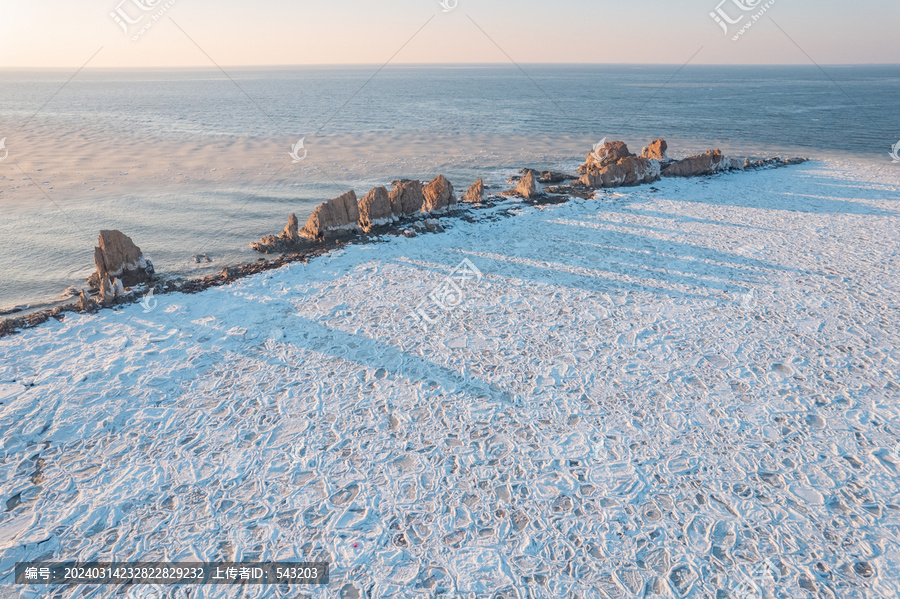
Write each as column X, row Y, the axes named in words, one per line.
column 65, row 33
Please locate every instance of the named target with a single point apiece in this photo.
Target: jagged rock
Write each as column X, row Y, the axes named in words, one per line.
column 118, row 257
column 406, row 197
column 111, row 290
column 475, row 195
column 269, row 244
column 85, row 303
column 375, row 209
column 527, row 187
column 627, row 172
column 608, row 154
column 703, row 164
column 340, row 214
column 656, row 150
column 438, row 195
column 575, row 190
column 554, row 177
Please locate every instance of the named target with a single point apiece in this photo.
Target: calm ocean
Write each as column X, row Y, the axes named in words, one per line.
column 760, row 110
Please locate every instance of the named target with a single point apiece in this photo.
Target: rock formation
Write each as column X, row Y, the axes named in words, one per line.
column 85, row 303
column 656, row 150
column 527, row 187
column 554, row 177
column 111, row 290
column 703, row 164
column 475, row 195
column 614, row 166
column 438, row 195
column 606, row 155
column 333, row 217
column 406, row 197
column 117, row 257
column 289, row 238
column 375, row 209
column 627, row 172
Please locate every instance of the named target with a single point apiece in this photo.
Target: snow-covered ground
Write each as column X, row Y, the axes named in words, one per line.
column 687, row 389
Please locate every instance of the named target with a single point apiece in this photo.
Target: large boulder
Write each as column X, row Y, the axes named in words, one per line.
column 607, row 154
column 475, row 195
column 703, row 164
column 406, row 197
column 656, row 150
column 333, row 217
column 117, row 257
column 527, row 187
column 628, row 171
column 375, row 209
column 289, row 238
column 438, row 195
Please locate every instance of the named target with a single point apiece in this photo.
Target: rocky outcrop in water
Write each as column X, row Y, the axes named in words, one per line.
column 656, row 150
column 438, row 195
column 120, row 264
column 703, row 164
column 288, row 239
column 406, row 197
column 334, row 217
column 607, row 154
column 117, row 257
column 612, row 165
column 527, row 187
column 375, row 209
column 475, row 195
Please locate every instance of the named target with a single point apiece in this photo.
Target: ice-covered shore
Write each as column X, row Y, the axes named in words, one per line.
column 689, row 389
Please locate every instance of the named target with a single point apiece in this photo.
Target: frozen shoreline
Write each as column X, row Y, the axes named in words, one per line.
column 646, row 394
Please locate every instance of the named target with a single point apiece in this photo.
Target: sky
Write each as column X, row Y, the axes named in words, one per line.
column 205, row 33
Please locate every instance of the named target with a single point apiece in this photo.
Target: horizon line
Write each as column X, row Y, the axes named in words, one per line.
column 446, row 64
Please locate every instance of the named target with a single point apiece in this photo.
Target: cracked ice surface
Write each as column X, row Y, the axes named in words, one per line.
column 648, row 394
